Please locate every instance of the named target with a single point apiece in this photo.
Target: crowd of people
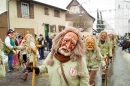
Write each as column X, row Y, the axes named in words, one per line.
column 73, row 59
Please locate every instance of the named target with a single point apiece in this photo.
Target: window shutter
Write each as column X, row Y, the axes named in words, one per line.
column 51, row 28
column 63, row 27
column 31, row 11
column 59, row 27
column 19, row 14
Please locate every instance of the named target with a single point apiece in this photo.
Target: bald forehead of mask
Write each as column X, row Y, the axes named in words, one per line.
column 69, row 40
column 103, row 35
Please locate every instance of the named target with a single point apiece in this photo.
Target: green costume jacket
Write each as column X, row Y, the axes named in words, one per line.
column 105, row 49
column 70, row 71
column 94, row 59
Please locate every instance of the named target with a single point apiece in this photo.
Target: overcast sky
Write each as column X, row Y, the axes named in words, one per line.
column 91, row 6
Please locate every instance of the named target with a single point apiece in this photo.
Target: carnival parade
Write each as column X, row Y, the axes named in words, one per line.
column 64, row 43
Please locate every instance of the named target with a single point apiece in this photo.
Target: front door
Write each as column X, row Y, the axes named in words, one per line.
column 46, row 29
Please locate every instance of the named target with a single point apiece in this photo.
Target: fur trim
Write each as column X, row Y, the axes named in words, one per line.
column 80, row 71
column 50, row 62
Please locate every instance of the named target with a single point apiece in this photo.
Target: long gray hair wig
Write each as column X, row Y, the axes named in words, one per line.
column 76, row 54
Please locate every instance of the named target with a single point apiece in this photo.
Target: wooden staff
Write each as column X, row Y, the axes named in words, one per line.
column 106, row 71
column 34, row 64
column 33, row 73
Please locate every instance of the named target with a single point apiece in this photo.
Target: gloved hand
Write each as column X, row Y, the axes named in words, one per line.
column 30, row 68
column 110, row 57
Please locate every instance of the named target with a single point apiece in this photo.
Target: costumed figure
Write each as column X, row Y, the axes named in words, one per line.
column 115, row 40
column 105, row 49
column 94, row 58
column 2, row 66
column 65, row 64
column 111, row 36
column 30, row 42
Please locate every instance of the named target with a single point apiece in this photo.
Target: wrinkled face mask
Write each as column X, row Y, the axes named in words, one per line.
column 90, row 44
column 111, row 36
column 103, row 35
column 68, row 43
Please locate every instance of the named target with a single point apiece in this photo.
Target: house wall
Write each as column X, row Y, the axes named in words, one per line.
column 79, row 19
column 39, row 19
column 3, row 5
column 3, row 25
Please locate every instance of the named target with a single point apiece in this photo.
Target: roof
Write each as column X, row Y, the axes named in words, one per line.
column 1, row 12
column 47, row 4
column 82, row 7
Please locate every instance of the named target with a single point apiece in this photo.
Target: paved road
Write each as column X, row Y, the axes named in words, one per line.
column 120, row 71
column 13, row 78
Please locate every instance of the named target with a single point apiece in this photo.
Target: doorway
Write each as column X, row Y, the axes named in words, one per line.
column 46, row 29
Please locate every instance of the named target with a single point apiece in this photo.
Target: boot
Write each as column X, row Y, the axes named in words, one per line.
column 24, row 78
column 103, row 77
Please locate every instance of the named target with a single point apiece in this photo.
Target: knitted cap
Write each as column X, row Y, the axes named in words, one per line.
column 76, row 54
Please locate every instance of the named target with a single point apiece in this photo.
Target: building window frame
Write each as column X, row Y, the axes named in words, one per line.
column 25, row 10
column 56, row 13
column 46, row 10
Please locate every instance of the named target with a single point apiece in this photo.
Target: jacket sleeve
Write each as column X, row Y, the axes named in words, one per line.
column 84, row 81
column 101, row 60
column 110, row 50
column 43, row 67
column 7, row 42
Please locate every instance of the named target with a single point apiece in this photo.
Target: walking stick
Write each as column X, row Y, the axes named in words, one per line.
column 33, row 73
column 106, row 73
column 29, row 38
column 34, row 64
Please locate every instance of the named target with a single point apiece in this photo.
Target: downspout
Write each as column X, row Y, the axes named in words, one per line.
column 8, row 14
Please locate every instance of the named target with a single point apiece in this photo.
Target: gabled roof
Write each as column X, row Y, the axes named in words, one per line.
column 1, row 12
column 81, row 7
column 38, row 2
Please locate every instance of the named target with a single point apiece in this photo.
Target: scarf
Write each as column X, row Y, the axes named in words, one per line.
column 62, row 58
column 102, row 41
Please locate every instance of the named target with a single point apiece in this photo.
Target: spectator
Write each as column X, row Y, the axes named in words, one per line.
column 10, row 44
column 41, row 42
column 48, row 42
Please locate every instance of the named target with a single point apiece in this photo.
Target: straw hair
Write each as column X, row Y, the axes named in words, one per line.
column 76, row 54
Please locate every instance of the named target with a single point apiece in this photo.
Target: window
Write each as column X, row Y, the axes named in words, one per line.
column 46, row 11
column 74, row 9
column 25, row 10
column 118, row 6
column 56, row 13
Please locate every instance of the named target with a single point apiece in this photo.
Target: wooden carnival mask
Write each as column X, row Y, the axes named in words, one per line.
column 103, row 35
column 111, row 36
column 68, row 43
column 90, row 44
